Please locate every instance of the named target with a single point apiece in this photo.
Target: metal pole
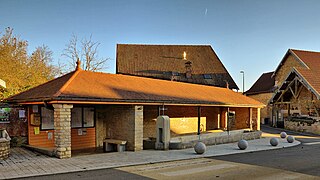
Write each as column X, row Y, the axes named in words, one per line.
column 228, row 125
column 199, row 116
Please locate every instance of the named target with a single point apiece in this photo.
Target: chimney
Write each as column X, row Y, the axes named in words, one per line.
column 188, row 69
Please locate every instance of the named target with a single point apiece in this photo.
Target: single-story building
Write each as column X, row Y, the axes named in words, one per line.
column 81, row 109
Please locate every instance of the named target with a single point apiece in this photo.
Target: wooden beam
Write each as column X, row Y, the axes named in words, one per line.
column 295, row 97
column 288, row 87
column 295, row 86
column 299, row 91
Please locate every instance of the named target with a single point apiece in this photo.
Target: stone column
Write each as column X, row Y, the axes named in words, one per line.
column 138, row 128
column 250, row 118
column 62, row 130
column 258, row 119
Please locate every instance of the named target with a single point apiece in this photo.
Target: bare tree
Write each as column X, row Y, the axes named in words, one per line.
column 86, row 52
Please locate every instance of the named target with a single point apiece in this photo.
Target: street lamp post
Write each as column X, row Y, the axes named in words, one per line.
column 242, row 72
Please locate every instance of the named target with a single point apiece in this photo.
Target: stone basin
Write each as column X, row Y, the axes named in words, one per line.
column 4, row 144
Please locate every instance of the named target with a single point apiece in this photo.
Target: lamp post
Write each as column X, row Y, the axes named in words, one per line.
column 242, row 72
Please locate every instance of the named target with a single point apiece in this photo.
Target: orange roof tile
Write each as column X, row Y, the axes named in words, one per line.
column 102, row 87
column 310, row 58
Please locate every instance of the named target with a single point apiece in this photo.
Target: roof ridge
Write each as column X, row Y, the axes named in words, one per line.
column 305, row 50
column 164, row 44
column 268, row 72
column 75, row 73
column 192, row 84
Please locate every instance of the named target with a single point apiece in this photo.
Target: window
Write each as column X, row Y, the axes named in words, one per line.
column 88, row 117
column 76, row 117
column 46, row 118
column 82, row 117
column 207, row 76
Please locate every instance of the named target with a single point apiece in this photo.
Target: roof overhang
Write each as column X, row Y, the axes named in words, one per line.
column 129, row 102
column 284, row 85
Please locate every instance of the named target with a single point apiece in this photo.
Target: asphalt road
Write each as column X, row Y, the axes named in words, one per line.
column 299, row 162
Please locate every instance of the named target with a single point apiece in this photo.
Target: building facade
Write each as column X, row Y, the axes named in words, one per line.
column 81, row 109
column 295, row 102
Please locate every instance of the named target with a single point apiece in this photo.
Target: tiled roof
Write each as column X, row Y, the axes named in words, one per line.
column 309, row 71
column 91, row 87
column 264, row 84
column 161, row 61
column 310, row 58
column 311, row 78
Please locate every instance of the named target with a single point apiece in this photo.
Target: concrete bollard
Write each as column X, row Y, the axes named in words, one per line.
column 290, row 139
column 274, row 141
column 200, row 148
column 242, row 144
column 283, row 135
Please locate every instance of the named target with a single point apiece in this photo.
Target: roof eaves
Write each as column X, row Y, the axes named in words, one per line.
column 304, row 82
column 159, row 102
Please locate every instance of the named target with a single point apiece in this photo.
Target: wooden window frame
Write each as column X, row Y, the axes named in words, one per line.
column 82, row 117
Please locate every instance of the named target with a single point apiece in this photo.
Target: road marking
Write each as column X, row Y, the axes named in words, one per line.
column 312, row 143
column 197, row 170
column 284, row 176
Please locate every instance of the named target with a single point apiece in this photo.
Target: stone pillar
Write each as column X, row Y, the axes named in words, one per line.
column 258, row 119
column 62, row 130
column 250, row 118
column 218, row 119
column 138, row 128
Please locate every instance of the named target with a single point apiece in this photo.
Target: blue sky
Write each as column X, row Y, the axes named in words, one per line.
column 249, row 35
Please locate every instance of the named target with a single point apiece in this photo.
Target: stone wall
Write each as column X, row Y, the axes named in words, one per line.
column 121, row 122
column 303, row 127
column 101, row 124
column 264, row 98
column 62, row 130
column 213, row 138
column 4, row 148
column 285, row 69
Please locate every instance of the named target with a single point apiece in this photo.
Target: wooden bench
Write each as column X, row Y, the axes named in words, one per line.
column 111, row 145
